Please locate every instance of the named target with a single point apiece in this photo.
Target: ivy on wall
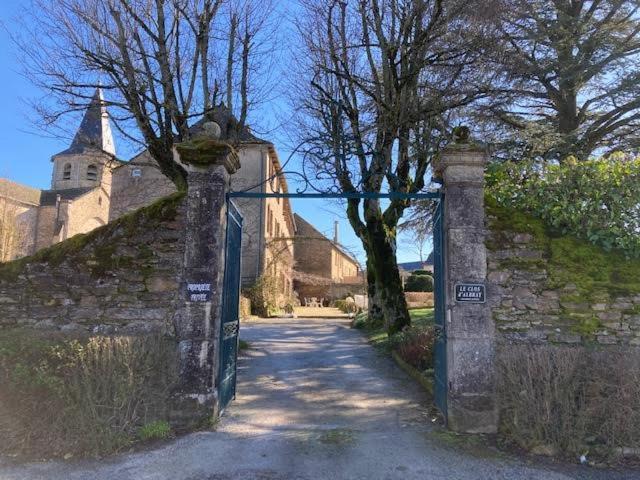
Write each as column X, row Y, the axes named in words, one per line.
column 596, row 200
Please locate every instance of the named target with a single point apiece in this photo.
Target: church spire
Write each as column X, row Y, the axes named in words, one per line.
column 95, row 129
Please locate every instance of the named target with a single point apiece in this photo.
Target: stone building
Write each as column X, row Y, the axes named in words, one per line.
column 268, row 224
column 317, row 277
column 91, row 187
column 79, row 198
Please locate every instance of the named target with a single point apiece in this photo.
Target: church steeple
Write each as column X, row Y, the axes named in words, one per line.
column 95, row 129
column 87, row 162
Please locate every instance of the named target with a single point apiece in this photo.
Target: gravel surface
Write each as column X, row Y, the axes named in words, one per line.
column 315, row 402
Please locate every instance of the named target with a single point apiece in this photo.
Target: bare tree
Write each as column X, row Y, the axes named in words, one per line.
column 570, row 81
column 380, row 80
column 164, row 64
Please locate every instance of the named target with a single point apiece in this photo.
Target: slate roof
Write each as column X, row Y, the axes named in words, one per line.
column 93, row 130
column 48, row 197
column 18, row 192
column 412, row 266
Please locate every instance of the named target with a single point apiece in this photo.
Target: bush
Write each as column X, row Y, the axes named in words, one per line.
column 419, row 283
column 571, row 399
column 360, row 321
column 421, row 272
column 596, row 200
column 81, row 396
column 348, row 305
column 415, row 346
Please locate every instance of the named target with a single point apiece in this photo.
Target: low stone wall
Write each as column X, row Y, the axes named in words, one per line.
column 419, row 299
column 121, row 278
column 555, row 289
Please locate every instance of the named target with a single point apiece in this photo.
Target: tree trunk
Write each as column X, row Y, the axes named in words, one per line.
column 374, row 310
column 381, row 259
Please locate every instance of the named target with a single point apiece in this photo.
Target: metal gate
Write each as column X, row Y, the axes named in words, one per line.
column 231, row 294
column 230, row 324
column 440, row 355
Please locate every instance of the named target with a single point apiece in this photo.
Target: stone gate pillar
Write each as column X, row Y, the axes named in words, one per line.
column 197, row 320
column 469, row 325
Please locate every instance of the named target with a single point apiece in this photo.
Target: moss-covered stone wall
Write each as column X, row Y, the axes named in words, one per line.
column 548, row 288
column 123, row 277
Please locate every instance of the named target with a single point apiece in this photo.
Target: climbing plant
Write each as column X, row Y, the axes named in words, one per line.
column 597, row 200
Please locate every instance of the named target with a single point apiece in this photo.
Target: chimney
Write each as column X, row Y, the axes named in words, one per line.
column 335, row 232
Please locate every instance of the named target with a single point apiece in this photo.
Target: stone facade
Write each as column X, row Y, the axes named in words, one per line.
column 136, row 184
column 532, row 303
column 119, row 278
column 315, row 275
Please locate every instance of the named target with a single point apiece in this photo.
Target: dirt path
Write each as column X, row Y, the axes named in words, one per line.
column 315, row 401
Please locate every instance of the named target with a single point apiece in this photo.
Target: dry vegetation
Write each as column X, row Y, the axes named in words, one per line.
column 570, row 400
column 81, row 396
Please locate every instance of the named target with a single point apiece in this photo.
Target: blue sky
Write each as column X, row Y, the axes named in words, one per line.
column 26, row 153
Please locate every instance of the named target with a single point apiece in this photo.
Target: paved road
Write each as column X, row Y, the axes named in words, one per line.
column 315, row 402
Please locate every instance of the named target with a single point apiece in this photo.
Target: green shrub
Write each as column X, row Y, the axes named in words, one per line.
column 86, row 395
column 360, row 321
column 596, row 200
column 421, row 272
column 158, row 430
column 419, row 283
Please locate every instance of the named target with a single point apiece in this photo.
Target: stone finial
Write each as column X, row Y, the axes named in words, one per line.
column 210, row 130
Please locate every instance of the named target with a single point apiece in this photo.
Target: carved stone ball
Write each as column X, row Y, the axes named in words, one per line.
column 211, row 130
column 461, row 134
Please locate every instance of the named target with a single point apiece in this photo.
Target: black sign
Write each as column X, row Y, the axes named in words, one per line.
column 198, row 292
column 470, row 293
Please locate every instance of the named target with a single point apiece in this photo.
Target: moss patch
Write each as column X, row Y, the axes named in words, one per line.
column 596, row 273
column 101, row 257
column 204, row 152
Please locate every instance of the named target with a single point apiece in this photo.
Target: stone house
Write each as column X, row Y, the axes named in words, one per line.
column 317, row 277
column 91, row 187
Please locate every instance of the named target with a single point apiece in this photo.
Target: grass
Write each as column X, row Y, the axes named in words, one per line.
column 422, row 317
column 65, row 396
column 158, row 430
column 243, row 345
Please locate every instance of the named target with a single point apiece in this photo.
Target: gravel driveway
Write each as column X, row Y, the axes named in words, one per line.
column 315, row 402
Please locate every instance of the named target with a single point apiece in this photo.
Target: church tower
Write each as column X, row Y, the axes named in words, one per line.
column 87, row 162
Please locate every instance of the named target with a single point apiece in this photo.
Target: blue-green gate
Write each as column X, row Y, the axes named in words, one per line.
column 232, row 286
column 440, row 349
column 230, row 325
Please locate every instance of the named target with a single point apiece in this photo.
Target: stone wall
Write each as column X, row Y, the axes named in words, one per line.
column 123, row 277
column 556, row 289
column 137, row 184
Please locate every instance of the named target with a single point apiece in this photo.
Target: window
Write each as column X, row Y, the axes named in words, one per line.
column 99, row 200
column 136, row 172
column 66, row 172
column 92, row 173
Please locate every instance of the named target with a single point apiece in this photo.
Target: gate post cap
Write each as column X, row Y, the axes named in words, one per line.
column 202, row 153
column 464, row 154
